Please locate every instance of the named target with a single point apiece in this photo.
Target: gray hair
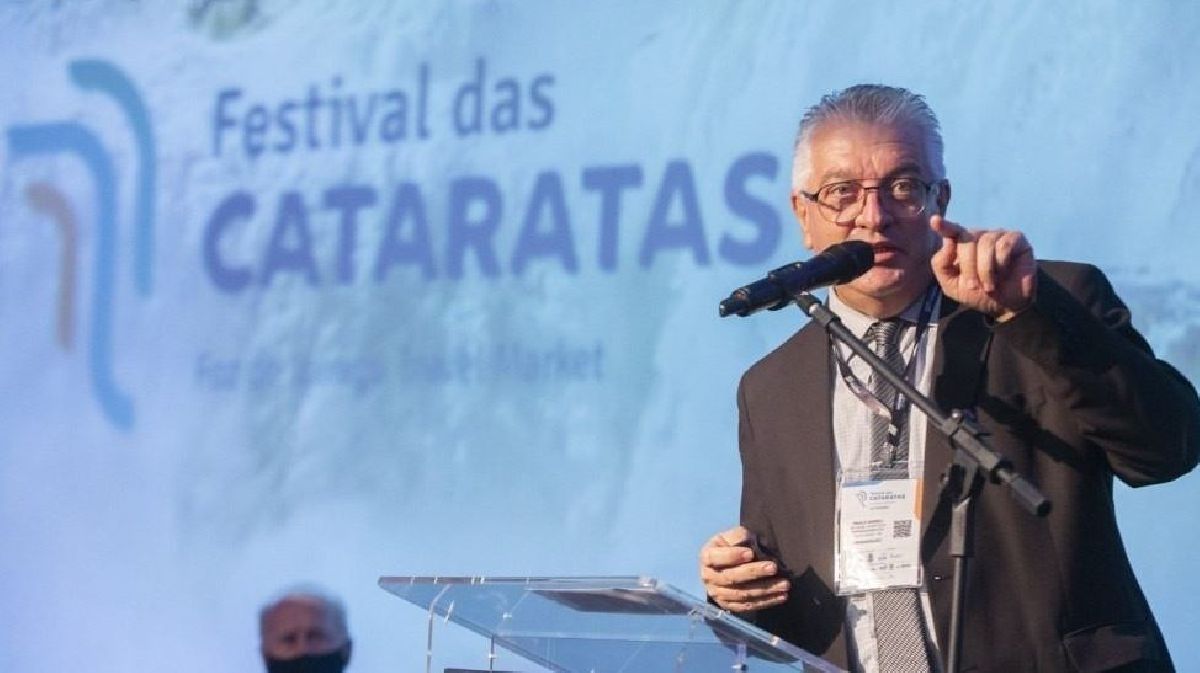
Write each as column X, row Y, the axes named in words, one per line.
column 871, row 104
column 308, row 593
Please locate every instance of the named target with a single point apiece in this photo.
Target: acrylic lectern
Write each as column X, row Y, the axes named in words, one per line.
column 601, row 625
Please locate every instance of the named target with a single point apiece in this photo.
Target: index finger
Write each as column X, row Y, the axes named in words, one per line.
column 727, row 548
column 945, row 228
column 725, row 557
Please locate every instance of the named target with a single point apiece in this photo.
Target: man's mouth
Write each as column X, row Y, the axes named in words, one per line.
column 885, row 252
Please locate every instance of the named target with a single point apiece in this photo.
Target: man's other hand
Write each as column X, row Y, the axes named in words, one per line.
column 990, row 270
column 734, row 578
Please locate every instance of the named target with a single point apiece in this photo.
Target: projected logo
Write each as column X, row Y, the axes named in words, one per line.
column 71, row 138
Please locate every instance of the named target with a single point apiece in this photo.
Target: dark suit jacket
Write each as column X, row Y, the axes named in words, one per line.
column 1072, row 395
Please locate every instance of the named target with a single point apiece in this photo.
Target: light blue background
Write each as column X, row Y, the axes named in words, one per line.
column 151, row 547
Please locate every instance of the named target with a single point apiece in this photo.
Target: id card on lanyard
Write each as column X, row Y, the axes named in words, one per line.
column 878, row 509
column 877, row 540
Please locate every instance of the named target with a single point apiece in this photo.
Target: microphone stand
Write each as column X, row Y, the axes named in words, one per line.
column 974, row 463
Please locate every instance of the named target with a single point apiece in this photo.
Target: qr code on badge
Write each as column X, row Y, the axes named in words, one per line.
column 902, row 528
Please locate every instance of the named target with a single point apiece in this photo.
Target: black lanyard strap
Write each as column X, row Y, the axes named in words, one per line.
column 899, row 411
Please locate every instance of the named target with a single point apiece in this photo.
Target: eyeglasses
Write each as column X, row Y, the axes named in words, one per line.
column 842, row 202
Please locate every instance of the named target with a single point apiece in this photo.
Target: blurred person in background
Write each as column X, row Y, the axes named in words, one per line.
column 303, row 630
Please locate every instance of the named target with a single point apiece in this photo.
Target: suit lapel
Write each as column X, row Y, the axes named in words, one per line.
column 963, row 339
column 962, row 343
column 808, row 419
column 820, row 429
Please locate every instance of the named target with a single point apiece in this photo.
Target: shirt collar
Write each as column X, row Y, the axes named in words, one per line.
column 858, row 322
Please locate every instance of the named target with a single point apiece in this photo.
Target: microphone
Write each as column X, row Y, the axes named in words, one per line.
column 839, row 263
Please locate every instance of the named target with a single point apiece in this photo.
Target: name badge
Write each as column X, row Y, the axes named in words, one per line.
column 878, row 533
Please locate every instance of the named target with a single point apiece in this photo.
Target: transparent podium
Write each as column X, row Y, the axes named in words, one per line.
column 601, row 625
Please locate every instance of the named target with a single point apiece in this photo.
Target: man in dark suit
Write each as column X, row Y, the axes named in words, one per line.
column 1042, row 353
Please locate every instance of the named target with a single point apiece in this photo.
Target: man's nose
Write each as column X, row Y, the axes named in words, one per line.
column 313, row 646
column 873, row 215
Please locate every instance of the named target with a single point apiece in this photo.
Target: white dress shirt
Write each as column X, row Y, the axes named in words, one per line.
column 852, row 421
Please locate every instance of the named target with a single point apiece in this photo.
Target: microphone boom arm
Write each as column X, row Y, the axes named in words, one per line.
column 964, row 433
column 973, row 460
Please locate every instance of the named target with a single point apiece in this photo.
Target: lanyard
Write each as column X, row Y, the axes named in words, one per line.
column 896, row 413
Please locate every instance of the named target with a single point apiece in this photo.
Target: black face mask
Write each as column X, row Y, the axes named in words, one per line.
column 330, row 662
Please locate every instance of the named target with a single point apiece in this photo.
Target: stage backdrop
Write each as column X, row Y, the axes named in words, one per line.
column 325, row 291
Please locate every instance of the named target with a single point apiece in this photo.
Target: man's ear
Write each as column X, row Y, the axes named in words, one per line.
column 346, row 650
column 943, row 197
column 801, row 214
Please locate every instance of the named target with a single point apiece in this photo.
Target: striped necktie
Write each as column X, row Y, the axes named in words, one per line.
column 899, row 625
column 884, row 339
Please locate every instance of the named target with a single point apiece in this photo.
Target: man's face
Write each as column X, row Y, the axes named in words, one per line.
column 903, row 245
column 299, row 626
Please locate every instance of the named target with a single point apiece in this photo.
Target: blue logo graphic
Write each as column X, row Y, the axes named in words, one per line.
column 66, row 137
